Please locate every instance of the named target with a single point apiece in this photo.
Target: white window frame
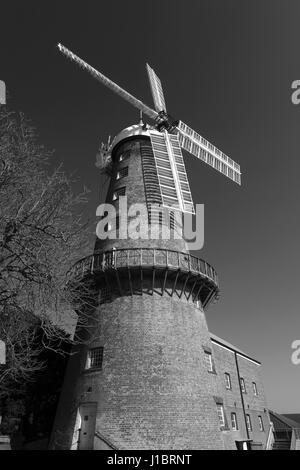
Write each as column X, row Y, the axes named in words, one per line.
column 261, row 423
column 119, row 176
column 243, row 385
column 116, row 193
column 255, row 392
column 221, row 414
column 209, row 361
column 234, row 423
column 249, row 424
column 227, row 381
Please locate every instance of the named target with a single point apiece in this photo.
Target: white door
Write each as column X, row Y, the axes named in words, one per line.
column 88, row 422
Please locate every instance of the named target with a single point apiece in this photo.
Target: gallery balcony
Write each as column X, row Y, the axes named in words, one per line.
column 133, row 267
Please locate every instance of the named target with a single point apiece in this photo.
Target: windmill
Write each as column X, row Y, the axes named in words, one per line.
column 168, row 137
column 152, row 336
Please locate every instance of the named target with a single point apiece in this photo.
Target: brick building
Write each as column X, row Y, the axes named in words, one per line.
column 150, row 375
column 240, row 399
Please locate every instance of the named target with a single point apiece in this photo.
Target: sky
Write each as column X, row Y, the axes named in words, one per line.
column 226, row 67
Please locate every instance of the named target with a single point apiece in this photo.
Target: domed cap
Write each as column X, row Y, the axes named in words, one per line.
column 131, row 131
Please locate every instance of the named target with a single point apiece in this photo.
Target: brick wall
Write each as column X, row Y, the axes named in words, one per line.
column 135, row 150
column 154, row 391
column 254, row 405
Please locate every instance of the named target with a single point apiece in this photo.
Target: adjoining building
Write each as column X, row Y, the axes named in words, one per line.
column 240, row 400
column 286, row 431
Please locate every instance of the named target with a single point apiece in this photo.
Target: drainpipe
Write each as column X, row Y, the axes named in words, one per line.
column 242, row 397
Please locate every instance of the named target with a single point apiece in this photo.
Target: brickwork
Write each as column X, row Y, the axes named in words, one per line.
column 255, row 406
column 154, row 390
column 134, row 151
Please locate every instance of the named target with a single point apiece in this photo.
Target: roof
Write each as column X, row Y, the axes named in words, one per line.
column 281, row 421
column 135, row 130
column 293, row 416
column 228, row 345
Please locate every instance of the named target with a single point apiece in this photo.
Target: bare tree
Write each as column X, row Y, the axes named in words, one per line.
column 42, row 234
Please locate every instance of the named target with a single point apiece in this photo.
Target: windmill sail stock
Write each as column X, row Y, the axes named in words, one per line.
column 157, row 91
column 109, row 83
column 167, row 138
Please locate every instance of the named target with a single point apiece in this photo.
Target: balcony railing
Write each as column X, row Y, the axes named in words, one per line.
column 144, row 257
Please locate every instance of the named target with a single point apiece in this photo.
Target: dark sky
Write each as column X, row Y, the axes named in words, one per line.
column 227, row 68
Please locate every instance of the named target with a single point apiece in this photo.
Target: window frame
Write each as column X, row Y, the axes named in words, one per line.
column 100, row 351
column 123, row 155
column 243, row 385
column 209, row 362
column 248, row 421
column 227, row 382
column 234, row 422
column 254, row 387
column 116, row 193
column 261, row 423
column 119, row 175
column 220, row 408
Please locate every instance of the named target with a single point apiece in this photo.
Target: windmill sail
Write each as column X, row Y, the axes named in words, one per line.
column 208, row 153
column 172, row 177
column 109, row 83
column 188, row 139
column 157, row 91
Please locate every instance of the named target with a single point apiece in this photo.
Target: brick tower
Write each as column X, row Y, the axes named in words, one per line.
column 143, row 381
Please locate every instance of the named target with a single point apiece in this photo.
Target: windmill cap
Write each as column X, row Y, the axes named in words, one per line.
column 132, row 131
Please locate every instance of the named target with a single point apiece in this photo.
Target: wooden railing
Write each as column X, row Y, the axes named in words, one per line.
column 144, row 257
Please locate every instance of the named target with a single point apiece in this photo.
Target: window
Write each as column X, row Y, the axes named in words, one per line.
column 221, row 416
column 248, row 421
column 119, row 192
column 254, row 388
column 261, row 423
column 94, row 358
column 123, row 155
column 209, row 361
column 122, row 173
column 104, row 295
column 234, row 422
column 243, row 386
column 227, row 381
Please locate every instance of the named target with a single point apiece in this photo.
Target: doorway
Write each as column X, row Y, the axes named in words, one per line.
column 88, row 423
